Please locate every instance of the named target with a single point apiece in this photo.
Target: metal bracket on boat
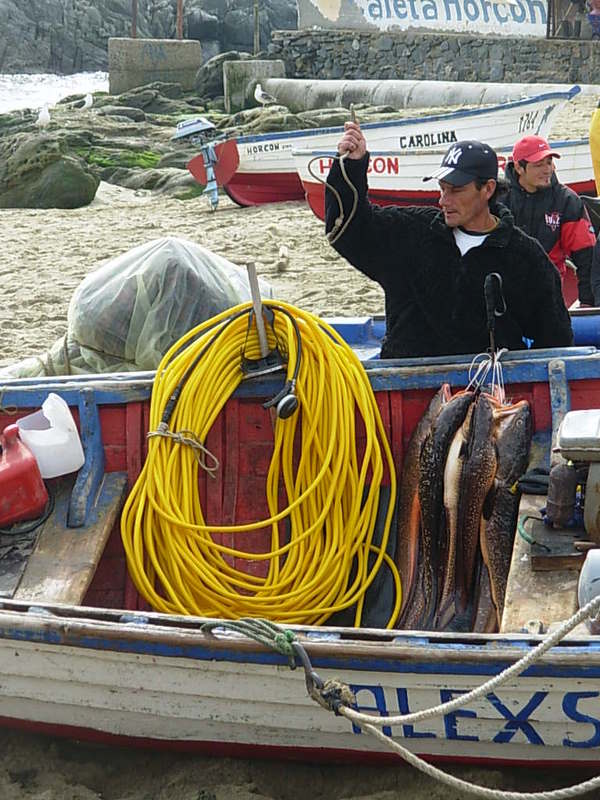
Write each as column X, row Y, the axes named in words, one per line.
column 91, row 474
column 331, row 694
column 560, row 400
column 273, row 361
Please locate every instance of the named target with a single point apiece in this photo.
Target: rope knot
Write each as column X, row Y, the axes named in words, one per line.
column 201, row 453
column 333, row 695
column 282, row 642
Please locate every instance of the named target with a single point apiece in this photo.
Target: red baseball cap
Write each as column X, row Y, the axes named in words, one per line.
column 532, row 148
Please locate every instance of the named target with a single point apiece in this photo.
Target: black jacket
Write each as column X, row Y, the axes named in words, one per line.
column 558, row 219
column 434, row 301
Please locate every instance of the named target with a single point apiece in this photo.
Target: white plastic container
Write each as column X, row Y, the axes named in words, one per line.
column 52, row 437
column 589, row 586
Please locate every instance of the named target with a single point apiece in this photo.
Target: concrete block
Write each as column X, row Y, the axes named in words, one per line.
column 135, row 62
column 240, row 79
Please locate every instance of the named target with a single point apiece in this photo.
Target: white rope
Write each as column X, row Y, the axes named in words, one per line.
column 368, row 722
column 473, row 788
column 589, row 610
column 190, row 439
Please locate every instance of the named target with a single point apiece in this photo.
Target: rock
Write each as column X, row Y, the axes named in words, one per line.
column 127, row 112
column 66, row 36
column 202, row 26
column 178, row 158
column 209, row 78
column 169, row 181
column 36, row 173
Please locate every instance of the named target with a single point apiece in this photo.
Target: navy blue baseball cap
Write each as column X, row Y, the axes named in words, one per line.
column 467, row 161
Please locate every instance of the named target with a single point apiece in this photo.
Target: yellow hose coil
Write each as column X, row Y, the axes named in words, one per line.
column 177, row 564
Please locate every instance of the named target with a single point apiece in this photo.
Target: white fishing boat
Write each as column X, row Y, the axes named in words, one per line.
column 81, row 654
column 261, row 168
column 397, row 178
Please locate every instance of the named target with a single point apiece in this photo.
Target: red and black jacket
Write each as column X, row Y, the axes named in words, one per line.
column 558, row 219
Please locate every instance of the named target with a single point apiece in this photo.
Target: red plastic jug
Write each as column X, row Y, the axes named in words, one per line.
column 23, row 494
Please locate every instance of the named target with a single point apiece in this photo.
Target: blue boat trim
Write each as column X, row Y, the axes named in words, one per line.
column 524, row 366
column 392, row 665
column 471, row 112
column 91, row 473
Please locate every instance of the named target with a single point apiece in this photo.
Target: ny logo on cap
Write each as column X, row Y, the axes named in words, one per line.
column 453, row 156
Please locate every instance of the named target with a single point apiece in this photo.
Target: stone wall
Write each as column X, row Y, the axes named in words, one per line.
column 135, row 62
column 434, row 56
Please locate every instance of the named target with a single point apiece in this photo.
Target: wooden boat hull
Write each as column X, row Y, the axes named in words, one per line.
column 265, row 169
column 103, row 667
column 171, row 687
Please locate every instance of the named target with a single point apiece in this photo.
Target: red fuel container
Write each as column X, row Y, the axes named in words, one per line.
column 23, row 494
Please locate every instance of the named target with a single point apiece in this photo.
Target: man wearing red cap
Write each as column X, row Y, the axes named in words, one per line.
column 551, row 212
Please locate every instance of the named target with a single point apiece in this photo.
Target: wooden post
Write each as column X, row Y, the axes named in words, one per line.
column 256, row 29
column 180, row 19
column 134, row 10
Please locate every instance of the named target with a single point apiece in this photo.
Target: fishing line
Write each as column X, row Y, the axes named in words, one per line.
column 339, row 225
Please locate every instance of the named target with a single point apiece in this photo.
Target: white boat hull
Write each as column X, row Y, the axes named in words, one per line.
column 396, row 178
column 171, row 686
column 264, row 168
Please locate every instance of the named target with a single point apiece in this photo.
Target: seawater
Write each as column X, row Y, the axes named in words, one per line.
column 32, row 91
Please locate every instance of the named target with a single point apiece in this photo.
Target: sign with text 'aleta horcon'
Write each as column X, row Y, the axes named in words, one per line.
column 505, row 17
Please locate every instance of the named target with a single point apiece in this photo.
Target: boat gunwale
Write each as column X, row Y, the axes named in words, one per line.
column 116, row 388
column 304, row 152
column 467, row 112
column 75, row 626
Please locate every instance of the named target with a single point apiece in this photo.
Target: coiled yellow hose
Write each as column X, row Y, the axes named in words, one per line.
column 179, row 563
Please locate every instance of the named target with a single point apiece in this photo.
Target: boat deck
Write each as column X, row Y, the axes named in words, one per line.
column 536, row 600
column 64, row 560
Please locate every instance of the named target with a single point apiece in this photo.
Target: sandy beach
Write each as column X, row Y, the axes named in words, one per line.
column 44, row 256
column 46, row 253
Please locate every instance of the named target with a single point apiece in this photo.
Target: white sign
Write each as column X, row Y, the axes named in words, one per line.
column 505, row 17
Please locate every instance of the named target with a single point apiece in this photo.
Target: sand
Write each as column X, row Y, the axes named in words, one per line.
column 44, row 256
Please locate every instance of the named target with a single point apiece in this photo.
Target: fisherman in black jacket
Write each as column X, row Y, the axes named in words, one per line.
column 549, row 211
column 432, row 264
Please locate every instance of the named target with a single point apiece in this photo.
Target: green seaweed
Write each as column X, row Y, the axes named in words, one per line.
column 100, row 157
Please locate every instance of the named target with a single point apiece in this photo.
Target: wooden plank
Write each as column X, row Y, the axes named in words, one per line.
column 544, row 596
column 63, row 563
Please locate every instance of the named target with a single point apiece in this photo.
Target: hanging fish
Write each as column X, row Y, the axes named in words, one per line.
column 452, row 477
column 409, row 511
column 497, row 533
column 434, row 540
column 485, row 616
column 477, row 477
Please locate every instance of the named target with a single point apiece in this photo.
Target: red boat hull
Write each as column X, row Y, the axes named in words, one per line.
column 254, row 189
column 315, row 196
